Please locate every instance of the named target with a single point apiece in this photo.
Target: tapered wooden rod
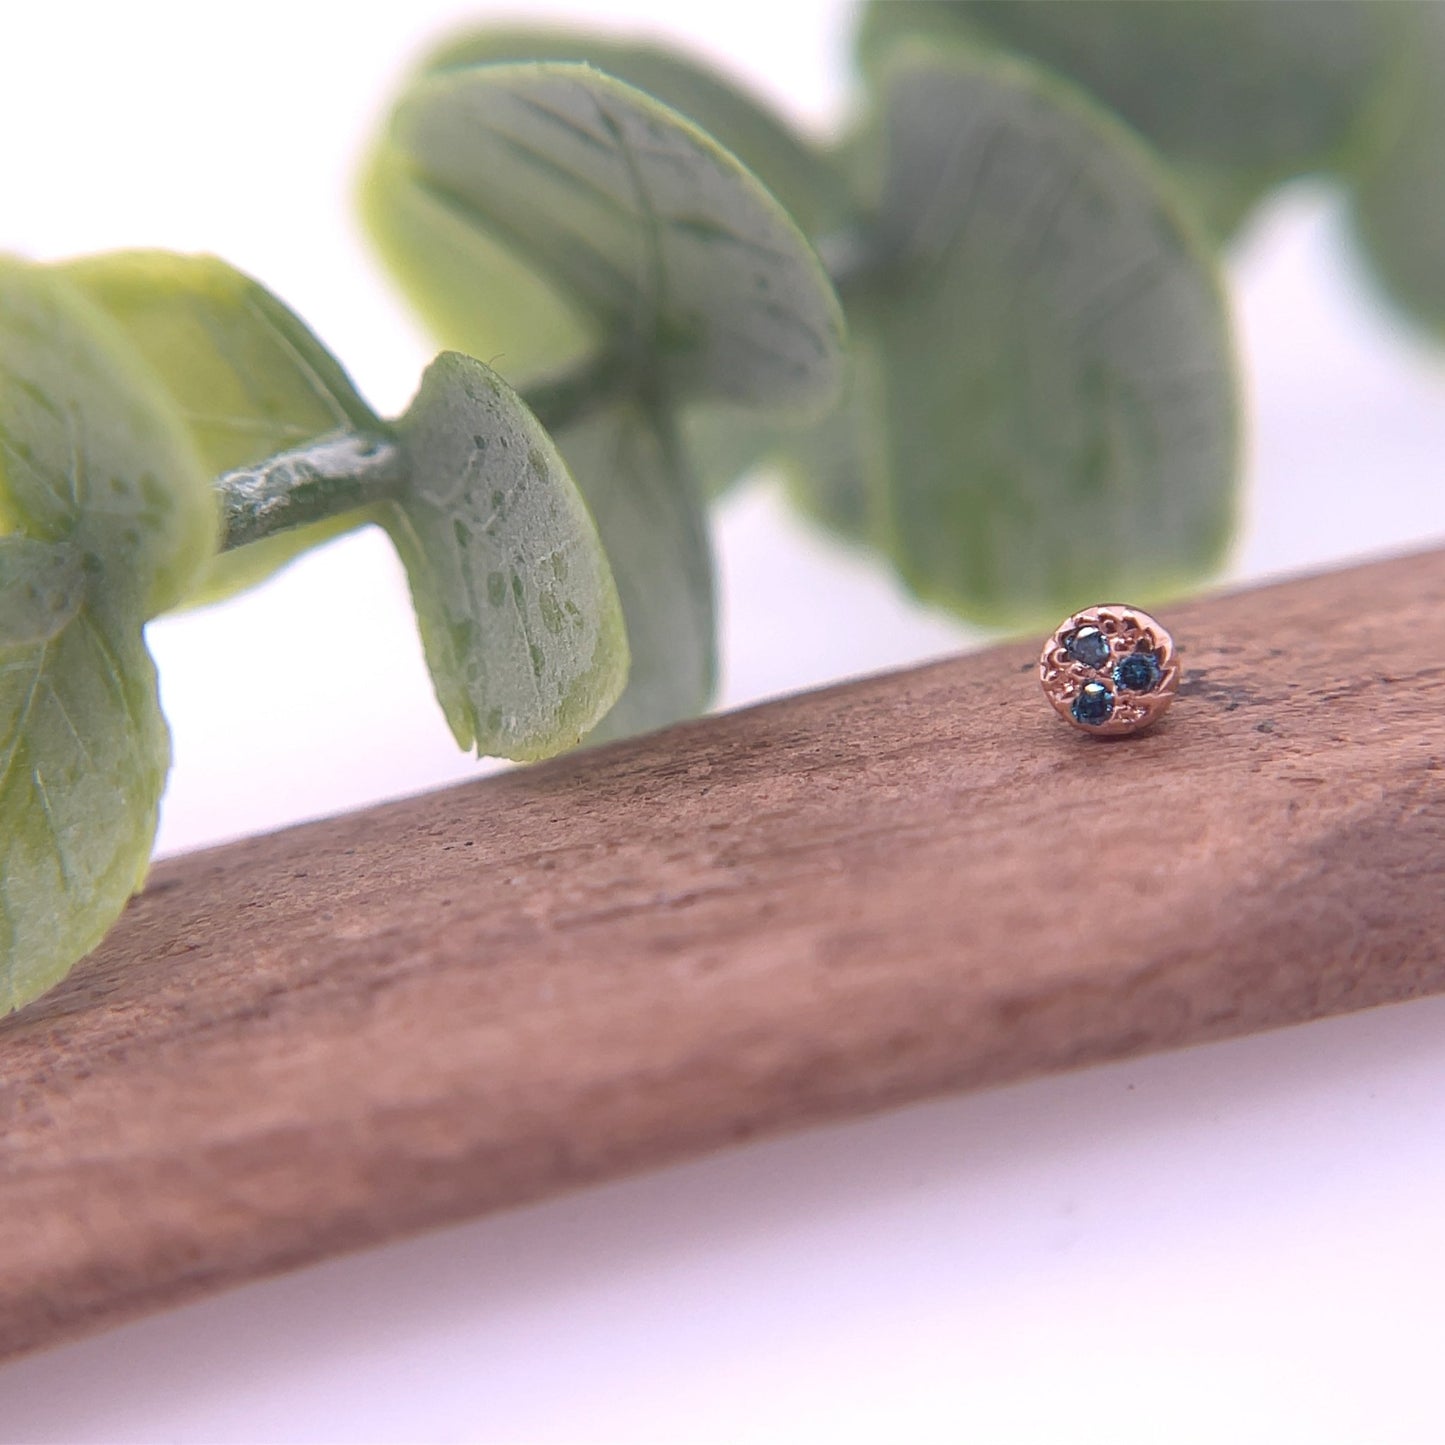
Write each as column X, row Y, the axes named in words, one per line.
column 334, row 1035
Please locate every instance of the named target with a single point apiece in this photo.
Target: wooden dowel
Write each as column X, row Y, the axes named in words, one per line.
column 334, row 1035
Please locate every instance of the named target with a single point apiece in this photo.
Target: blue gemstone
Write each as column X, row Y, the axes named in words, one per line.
column 1094, row 704
column 1087, row 645
column 1139, row 672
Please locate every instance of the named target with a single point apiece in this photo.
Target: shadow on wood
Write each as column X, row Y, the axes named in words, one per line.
column 315, row 1040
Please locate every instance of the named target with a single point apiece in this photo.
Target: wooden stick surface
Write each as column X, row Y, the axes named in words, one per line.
column 334, row 1035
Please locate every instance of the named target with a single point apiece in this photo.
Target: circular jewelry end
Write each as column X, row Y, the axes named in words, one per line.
column 1110, row 670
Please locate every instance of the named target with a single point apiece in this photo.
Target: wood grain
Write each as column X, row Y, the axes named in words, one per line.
column 331, row 1036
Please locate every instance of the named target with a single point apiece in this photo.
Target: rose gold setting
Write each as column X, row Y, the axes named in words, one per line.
column 1126, row 630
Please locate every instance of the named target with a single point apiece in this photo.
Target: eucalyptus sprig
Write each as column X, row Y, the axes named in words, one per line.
column 125, row 382
column 1037, row 404
column 171, row 433
column 1040, row 396
column 655, row 269
column 1241, row 96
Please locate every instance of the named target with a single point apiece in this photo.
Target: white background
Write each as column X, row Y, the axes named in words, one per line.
column 1241, row 1242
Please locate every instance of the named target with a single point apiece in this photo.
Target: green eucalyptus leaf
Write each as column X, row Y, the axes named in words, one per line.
column 1057, row 383
column 694, row 301
column 242, row 568
column 475, row 292
column 798, row 173
column 1223, row 199
column 1398, row 205
column 42, row 586
column 1237, row 96
column 627, row 459
column 248, row 375
column 669, row 253
column 721, row 442
column 837, row 471
column 109, row 518
column 92, row 450
column 83, row 759
column 518, row 611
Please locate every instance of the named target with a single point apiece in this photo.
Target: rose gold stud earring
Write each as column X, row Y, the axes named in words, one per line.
column 1110, row 670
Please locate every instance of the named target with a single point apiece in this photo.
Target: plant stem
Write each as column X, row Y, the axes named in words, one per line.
column 342, row 472
column 561, row 401
column 850, row 258
column 347, row 471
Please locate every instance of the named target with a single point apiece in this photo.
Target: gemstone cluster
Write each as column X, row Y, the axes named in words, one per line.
column 1109, row 670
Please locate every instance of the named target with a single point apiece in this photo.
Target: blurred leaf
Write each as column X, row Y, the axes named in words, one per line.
column 720, row 442
column 1223, row 199
column 675, row 253
column 797, row 173
column 653, row 527
column 1237, row 96
column 1053, row 355
column 480, row 295
column 696, row 294
column 238, row 570
column 94, row 452
column 247, row 373
column 249, row 377
column 1398, row 206
column 42, row 586
column 475, row 293
column 837, row 471
column 518, row 611
column 112, row 518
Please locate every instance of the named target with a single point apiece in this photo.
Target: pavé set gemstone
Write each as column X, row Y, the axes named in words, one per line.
column 1087, row 645
column 1139, row 672
column 1109, row 670
column 1093, row 705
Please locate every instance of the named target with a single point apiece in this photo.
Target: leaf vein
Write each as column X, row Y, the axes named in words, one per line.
column 67, row 876
column 652, row 285
column 23, row 719
column 566, row 122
